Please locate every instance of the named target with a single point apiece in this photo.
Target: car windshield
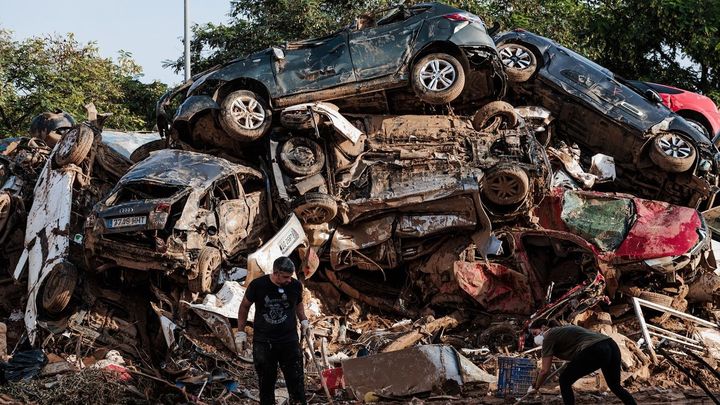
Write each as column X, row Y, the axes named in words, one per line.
column 603, row 221
column 143, row 191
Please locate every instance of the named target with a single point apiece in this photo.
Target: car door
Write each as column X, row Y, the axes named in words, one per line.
column 231, row 210
column 314, row 64
column 381, row 50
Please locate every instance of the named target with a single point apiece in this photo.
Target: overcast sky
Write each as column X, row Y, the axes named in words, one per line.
column 151, row 30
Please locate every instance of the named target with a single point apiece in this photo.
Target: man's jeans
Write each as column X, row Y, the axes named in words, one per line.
column 266, row 357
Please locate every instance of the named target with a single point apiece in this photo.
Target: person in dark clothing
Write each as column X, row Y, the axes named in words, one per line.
column 278, row 305
column 586, row 351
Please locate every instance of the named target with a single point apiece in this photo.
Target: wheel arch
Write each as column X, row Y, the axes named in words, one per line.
column 696, row 116
column 244, row 83
column 442, row 47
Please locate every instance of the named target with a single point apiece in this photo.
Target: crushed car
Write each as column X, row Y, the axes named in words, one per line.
column 179, row 212
column 658, row 154
column 439, row 52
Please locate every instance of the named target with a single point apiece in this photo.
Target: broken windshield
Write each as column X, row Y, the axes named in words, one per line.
column 603, row 221
column 144, row 191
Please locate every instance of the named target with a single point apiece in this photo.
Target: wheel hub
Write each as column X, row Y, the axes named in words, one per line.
column 675, row 146
column 437, row 75
column 302, row 155
column 248, row 113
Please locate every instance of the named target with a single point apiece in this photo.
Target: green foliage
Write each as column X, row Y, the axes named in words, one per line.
column 44, row 73
column 675, row 42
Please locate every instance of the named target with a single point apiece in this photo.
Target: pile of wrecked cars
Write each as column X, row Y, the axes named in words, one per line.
column 435, row 180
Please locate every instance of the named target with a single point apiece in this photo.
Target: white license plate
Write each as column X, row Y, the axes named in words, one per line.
column 127, row 221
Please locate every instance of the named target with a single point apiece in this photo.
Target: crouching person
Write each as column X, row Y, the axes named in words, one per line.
column 586, row 351
column 278, row 306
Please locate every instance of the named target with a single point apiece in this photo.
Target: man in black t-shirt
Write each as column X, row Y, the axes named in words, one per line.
column 278, row 305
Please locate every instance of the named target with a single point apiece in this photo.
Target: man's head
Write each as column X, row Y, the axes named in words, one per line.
column 283, row 269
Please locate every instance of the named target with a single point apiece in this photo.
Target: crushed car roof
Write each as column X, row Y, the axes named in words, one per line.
column 181, row 168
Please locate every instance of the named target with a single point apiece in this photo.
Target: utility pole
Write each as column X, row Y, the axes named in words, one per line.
column 187, row 40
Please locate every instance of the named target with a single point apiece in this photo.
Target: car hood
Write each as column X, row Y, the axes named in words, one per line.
column 661, row 230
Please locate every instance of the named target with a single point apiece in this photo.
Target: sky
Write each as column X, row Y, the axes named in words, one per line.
column 151, row 30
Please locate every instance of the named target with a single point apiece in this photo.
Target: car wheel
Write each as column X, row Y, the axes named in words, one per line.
column 672, row 153
column 302, row 156
column 700, row 127
column 438, row 78
column 494, row 115
column 299, row 119
column 497, row 337
column 315, row 208
column 245, row 116
column 506, row 185
column 208, row 264
column 143, row 151
column 58, row 287
column 5, row 209
column 519, row 61
column 74, row 146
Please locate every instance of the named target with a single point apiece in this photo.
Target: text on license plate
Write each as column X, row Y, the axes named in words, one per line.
column 127, row 221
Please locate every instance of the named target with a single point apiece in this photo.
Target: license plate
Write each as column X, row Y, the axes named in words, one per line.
column 127, row 221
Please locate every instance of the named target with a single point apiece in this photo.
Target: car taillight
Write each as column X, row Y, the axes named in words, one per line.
column 462, row 17
column 162, row 207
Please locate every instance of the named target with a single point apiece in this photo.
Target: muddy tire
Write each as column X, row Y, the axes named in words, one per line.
column 499, row 336
column 494, row 115
column 58, row 287
column 208, row 265
column 315, row 208
column 672, row 153
column 438, row 78
column 5, row 210
column 301, row 156
column 699, row 126
column 74, row 146
column 506, row 185
column 520, row 62
column 299, row 119
column 656, row 298
column 245, row 115
column 143, row 151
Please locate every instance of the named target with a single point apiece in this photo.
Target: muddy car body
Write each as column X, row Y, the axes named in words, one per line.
column 433, row 48
column 180, row 212
column 404, row 162
column 658, row 154
column 638, row 247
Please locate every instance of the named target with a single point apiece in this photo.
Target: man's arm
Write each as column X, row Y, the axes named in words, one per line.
column 300, row 311
column 544, row 371
column 243, row 313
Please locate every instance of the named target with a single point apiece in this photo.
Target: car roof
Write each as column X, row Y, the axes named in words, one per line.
column 179, row 167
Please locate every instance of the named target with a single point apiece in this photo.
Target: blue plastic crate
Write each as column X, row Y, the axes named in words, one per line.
column 515, row 375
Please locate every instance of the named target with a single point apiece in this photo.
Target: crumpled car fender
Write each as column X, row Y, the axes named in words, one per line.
column 194, row 105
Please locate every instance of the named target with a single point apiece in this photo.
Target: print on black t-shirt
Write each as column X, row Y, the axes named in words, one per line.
column 275, row 320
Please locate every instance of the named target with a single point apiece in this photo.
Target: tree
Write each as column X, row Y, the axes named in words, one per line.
column 45, row 73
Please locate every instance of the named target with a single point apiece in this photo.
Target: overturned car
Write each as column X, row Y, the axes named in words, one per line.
column 179, row 212
column 441, row 53
column 657, row 153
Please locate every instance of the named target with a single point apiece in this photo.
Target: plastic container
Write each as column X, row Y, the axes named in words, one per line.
column 515, row 376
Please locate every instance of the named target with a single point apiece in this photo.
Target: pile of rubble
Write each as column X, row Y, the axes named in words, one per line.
column 435, row 212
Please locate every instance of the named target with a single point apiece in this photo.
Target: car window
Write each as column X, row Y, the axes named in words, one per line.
column 226, row 189
column 394, row 15
column 664, row 89
column 603, row 221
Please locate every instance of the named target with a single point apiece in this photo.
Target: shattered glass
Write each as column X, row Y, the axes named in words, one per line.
column 603, row 221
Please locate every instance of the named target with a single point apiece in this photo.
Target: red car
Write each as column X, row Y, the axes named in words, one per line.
column 697, row 109
column 585, row 240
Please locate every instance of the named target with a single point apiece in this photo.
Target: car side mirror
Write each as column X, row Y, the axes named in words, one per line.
column 278, row 53
column 653, row 96
column 212, row 231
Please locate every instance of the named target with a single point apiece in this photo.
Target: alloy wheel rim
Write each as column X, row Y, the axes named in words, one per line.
column 674, row 146
column 247, row 112
column 437, row 75
column 504, row 186
column 516, row 58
